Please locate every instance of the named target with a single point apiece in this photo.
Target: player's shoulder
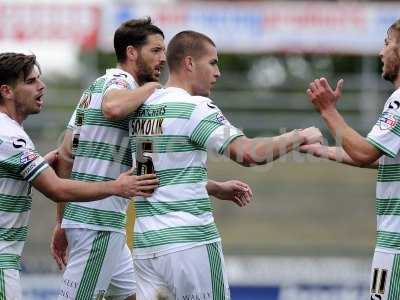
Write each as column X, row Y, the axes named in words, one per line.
column 118, row 77
column 12, row 133
column 204, row 103
column 167, row 95
column 393, row 102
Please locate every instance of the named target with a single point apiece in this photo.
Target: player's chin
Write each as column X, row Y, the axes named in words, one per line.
column 156, row 76
column 37, row 109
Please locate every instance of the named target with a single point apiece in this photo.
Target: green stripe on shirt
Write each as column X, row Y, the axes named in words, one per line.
column 388, row 173
column 181, row 175
column 15, row 204
column 168, row 143
column 10, row 261
column 94, row 216
column 381, row 147
column 103, row 151
column 204, row 129
column 193, row 206
column 388, row 207
column 181, row 234
column 14, row 234
column 388, row 239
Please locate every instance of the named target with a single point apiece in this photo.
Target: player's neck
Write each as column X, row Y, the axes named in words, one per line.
column 179, row 82
column 129, row 69
column 11, row 111
column 397, row 82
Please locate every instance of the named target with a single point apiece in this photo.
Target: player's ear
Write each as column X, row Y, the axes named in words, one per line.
column 5, row 91
column 188, row 63
column 132, row 53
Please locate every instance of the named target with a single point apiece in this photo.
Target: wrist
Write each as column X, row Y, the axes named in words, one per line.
column 212, row 187
column 329, row 113
column 297, row 137
column 113, row 187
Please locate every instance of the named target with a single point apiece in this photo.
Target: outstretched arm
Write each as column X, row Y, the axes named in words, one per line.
column 258, row 151
column 324, row 100
column 336, row 154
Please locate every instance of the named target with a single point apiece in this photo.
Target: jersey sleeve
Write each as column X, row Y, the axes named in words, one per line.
column 18, row 159
column 385, row 135
column 209, row 128
column 71, row 123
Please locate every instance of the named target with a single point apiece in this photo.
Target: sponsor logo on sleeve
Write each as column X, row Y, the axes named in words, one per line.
column 394, row 104
column 19, row 143
column 28, row 156
column 119, row 75
column 387, row 121
column 121, row 83
column 211, row 105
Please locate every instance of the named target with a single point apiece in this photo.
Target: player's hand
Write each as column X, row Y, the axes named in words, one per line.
column 59, row 246
column 322, row 96
column 129, row 185
column 317, row 150
column 311, row 135
column 152, row 86
column 235, row 191
column 52, row 157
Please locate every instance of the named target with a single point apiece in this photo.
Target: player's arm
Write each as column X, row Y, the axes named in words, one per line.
column 64, row 190
column 232, row 190
column 336, row 154
column 356, row 146
column 208, row 128
column 258, row 151
column 119, row 103
column 63, row 168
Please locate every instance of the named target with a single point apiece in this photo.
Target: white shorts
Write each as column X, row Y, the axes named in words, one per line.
column 99, row 264
column 385, row 276
column 10, row 285
column 195, row 273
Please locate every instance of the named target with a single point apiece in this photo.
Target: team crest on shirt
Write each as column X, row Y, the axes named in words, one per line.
column 220, row 118
column 387, row 121
column 28, row 156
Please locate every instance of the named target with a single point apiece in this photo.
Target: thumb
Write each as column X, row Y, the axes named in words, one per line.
column 339, row 87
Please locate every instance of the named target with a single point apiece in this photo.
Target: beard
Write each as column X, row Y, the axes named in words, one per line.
column 145, row 72
column 393, row 73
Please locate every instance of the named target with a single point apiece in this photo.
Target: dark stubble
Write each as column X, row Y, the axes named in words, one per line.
column 145, row 72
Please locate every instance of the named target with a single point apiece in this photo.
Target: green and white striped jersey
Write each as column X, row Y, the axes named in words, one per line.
column 181, row 128
column 385, row 135
column 20, row 164
column 102, row 152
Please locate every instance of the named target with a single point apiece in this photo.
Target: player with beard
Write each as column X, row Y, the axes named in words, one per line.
column 100, row 263
column 379, row 149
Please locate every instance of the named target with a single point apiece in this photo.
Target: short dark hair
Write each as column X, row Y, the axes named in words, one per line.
column 133, row 33
column 13, row 66
column 186, row 43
